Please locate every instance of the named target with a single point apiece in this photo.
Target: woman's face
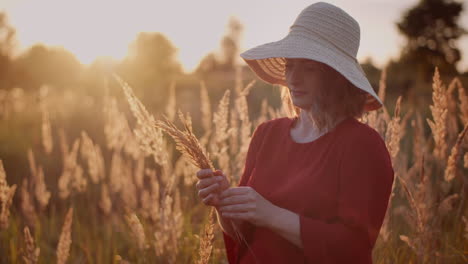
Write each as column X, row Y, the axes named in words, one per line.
column 304, row 78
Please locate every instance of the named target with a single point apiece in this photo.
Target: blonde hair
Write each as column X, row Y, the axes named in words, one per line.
column 330, row 105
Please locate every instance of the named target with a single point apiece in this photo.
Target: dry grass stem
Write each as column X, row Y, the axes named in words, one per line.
column 186, row 141
column 206, row 242
column 105, row 203
column 219, row 146
column 450, row 170
column 92, row 154
column 221, row 118
column 383, row 84
column 394, row 131
column 72, row 174
column 137, row 230
column 40, row 190
column 27, row 204
column 463, row 105
column 63, row 247
column 439, row 114
column 149, row 136
column 37, row 175
column 31, row 252
column 6, row 198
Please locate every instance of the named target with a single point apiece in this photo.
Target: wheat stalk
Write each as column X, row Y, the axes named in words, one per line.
column 186, row 141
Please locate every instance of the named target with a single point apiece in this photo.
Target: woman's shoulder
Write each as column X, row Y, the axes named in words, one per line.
column 360, row 136
column 362, row 130
column 275, row 125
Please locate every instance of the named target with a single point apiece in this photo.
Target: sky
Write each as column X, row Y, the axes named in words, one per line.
column 92, row 28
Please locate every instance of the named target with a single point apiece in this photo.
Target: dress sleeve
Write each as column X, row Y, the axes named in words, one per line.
column 233, row 247
column 365, row 182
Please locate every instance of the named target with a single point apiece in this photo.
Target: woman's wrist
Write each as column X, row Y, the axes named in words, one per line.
column 274, row 218
column 285, row 223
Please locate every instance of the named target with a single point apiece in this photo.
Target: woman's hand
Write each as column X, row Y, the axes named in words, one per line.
column 245, row 203
column 210, row 184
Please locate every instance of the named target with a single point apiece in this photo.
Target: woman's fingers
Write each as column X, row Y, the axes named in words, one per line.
column 234, row 191
column 207, row 199
column 204, row 173
column 206, row 191
column 203, row 183
column 209, row 184
column 238, row 199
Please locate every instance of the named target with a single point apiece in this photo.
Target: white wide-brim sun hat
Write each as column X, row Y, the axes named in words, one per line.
column 322, row 32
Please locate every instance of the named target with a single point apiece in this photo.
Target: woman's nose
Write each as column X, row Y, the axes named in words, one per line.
column 295, row 75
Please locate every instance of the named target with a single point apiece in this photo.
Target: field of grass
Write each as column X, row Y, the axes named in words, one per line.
column 90, row 179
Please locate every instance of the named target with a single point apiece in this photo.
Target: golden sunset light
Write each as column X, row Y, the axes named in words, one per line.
column 105, row 28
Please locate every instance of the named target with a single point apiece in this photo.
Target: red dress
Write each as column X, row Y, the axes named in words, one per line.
column 338, row 184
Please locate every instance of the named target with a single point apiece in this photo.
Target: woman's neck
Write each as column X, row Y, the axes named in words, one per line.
column 306, row 127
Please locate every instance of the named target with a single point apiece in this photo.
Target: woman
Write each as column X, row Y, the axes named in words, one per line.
column 315, row 187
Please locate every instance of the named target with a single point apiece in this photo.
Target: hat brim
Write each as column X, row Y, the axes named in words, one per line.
column 268, row 62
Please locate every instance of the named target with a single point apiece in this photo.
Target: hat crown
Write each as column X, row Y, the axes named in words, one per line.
column 330, row 23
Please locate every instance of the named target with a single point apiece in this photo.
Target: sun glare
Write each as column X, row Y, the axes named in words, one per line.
column 91, row 29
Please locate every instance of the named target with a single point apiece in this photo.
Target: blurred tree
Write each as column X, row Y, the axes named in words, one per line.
column 7, row 44
column 431, row 28
column 46, row 65
column 372, row 73
column 151, row 59
column 150, row 67
column 228, row 55
column 230, row 44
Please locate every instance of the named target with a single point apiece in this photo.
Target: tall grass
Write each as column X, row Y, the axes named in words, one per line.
column 122, row 193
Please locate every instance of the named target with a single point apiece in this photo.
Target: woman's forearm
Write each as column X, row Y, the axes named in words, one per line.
column 286, row 224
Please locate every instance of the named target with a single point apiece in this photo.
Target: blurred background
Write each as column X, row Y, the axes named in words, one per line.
column 56, row 57
column 66, row 46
